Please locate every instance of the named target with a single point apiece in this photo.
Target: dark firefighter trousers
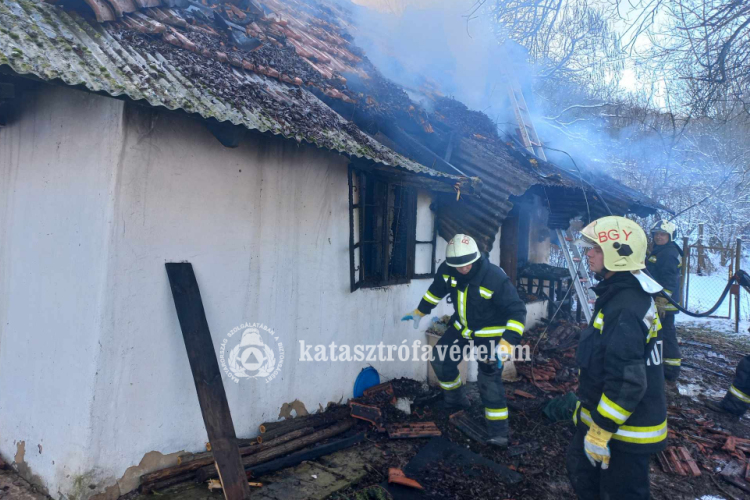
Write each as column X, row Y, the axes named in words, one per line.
column 489, row 378
column 737, row 399
column 672, row 355
column 625, row 479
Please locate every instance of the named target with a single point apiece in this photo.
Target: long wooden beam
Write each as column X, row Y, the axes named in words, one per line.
column 207, row 378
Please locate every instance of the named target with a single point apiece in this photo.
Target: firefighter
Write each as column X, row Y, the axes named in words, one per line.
column 664, row 265
column 737, row 399
column 621, row 416
column 490, row 314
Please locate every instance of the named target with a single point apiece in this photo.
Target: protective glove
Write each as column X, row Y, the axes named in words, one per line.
column 416, row 315
column 661, row 305
column 505, row 351
column 596, row 445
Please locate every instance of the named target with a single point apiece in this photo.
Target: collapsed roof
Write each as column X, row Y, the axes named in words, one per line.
column 289, row 67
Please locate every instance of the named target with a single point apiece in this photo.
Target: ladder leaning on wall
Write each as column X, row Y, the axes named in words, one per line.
column 531, row 141
column 578, row 272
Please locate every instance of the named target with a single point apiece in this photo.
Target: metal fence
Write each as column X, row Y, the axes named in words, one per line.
column 705, row 273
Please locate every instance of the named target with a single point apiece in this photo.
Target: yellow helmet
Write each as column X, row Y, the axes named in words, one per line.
column 664, row 226
column 622, row 241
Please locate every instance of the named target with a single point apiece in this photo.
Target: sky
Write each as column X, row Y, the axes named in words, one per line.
column 630, row 79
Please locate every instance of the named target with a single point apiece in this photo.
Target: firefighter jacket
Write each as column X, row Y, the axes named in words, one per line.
column 487, row 304
column 665, row 266
column 737, row 399
column 621, row 382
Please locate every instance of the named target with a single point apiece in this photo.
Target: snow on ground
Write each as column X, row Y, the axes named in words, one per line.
column 703, row 292
column 715, row 324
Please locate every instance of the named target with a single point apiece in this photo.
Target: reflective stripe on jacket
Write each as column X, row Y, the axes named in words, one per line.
column 487, row 306
column 621, row 383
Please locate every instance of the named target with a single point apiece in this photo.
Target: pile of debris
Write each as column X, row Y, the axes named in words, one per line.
column 276, row 447
column 415, row 445
column 715, row 447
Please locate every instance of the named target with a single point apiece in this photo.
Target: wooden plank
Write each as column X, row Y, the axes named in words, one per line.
column 298, row 458
column 199, row 460
column 209, row 472
column 207, row 378
column 509, row 247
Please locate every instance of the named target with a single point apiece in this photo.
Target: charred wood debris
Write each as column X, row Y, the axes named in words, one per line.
column 708, row 453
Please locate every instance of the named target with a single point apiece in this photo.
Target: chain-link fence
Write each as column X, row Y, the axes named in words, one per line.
column 707, row 270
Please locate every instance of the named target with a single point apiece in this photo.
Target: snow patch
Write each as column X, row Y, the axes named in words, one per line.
column 693, row 390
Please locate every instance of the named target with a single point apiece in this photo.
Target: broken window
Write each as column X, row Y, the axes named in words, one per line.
column 382, row 231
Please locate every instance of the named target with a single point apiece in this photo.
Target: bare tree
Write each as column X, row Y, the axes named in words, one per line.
column 701, row 47
column 571, row 38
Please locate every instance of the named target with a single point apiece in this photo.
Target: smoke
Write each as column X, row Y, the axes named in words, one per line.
column 442, row 45
column 439, row 45
column 449, row 46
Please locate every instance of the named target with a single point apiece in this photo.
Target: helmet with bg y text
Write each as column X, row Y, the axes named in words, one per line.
column 623, row 244
column 622, row 241
column 461, row 251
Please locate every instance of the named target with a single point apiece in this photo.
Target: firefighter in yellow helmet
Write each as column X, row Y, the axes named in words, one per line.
column 489, row 314
column 621, row 417
column 664, row 265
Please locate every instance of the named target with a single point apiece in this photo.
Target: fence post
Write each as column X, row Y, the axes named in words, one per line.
column 700, row 249
column 684, row 270
column 738, row 263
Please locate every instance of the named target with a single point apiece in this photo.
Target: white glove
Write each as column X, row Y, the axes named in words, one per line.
column 415, row 316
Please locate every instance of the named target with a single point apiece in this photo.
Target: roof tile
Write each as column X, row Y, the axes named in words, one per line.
column 182, row 66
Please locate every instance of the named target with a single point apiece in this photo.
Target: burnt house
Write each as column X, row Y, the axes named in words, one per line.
column 255, row 140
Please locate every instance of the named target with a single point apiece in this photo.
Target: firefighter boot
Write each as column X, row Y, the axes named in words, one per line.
column 498, row 433
column 716, row 406
column 730, row 405
column 456, row 399
column 490, row 379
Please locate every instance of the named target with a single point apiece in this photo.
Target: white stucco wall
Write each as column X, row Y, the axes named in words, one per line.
column 56, row 173
column 95, row 199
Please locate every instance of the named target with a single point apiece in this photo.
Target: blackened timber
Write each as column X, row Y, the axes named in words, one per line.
column 298, row 458
column 186, row 471
column 314, row 420
column 209, row 471
column 163, row 484
column 207, row 378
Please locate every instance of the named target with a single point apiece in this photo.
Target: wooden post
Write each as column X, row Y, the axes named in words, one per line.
column 700, row 249
column 509, row 247
column 207, row 378
column 685, row 266
column 737, row 267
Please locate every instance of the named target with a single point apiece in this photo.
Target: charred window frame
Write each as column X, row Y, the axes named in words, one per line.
column 382, row 230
